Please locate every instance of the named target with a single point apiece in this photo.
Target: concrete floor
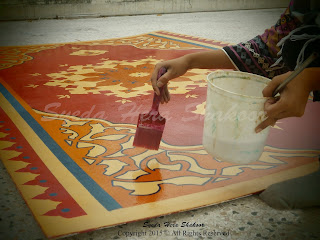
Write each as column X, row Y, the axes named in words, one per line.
column 245, row 218
column 228, row 26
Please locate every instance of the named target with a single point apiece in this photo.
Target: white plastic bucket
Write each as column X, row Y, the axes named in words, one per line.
column 234, row 107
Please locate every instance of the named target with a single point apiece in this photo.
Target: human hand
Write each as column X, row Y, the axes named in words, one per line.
column 291, row 102
column 175, row 68
column 213, row 59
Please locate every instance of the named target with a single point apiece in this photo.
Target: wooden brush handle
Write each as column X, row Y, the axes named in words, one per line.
column 156, row 98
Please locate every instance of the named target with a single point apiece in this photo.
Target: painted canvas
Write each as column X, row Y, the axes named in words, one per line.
column 68, row 118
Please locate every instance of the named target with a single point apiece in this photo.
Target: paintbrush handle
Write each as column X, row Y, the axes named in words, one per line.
column 306, row 63
column 156, row 98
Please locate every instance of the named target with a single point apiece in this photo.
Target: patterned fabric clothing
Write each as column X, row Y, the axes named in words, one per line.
column 260, row 53
column 253, row 57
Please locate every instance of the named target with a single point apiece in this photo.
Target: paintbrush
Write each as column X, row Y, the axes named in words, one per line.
column 151, row 125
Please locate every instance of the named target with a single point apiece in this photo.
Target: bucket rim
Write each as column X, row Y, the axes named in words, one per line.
column 238, row 73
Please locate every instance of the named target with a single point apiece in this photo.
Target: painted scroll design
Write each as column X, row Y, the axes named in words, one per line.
column 12, row 56
column 109, row 146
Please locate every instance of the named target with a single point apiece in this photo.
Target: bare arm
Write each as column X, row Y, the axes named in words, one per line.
column 209, row 60
column 179, row 66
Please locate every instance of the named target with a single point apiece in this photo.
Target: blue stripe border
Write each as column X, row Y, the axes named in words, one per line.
column 196, row 44
column 96, row 191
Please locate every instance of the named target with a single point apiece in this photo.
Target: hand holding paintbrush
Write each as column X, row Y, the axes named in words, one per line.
column 151, row 125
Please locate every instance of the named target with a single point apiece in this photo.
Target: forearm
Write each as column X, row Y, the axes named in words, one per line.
column 208, row 60
column 311, row 76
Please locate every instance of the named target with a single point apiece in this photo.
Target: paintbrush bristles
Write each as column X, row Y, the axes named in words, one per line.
column 147, row 138
column 149, row 131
